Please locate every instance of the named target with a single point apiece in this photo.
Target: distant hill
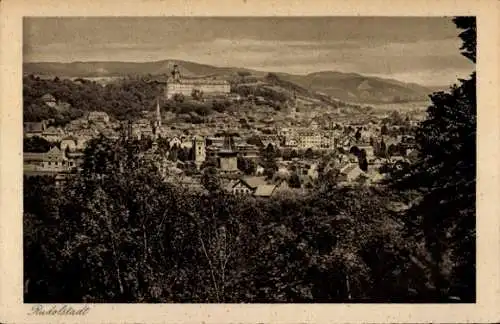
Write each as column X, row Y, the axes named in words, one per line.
column 347, row 87
column 355, row 87
column 116, row 69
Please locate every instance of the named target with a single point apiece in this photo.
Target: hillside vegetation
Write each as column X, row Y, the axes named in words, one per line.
column 348, row 87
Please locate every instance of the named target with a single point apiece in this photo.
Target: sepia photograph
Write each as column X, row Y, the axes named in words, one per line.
column 249, row 159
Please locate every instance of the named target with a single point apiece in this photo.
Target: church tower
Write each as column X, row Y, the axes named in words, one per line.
column 156, row 125
column 158, row 114
column 199, row 150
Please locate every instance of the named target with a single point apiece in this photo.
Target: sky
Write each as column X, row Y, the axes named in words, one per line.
column 424, row 50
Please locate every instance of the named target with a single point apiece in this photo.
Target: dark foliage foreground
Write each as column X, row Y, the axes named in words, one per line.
column 128, row 237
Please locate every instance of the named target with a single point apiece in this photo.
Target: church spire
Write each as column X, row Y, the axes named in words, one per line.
column 158, row 113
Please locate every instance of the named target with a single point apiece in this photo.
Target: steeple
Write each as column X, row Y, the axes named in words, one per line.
column 156, row 125
column 158, row 113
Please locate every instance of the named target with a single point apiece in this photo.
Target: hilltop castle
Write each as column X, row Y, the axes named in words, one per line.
column 185, row 86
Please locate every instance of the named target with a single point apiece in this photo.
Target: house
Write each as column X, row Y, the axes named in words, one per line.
column 52, row 134
column 265, row 190
column 270, row 139
column 32, row 129
column 412, row 155
column 309, row 139
column 376, row 177
column 186, row 142
column 259, row 170
column 240, row 187
column 175, row 142
column 282, row 172
column 291, row 142
column 250, row 185
column 49, row 100
column 69, row 143
column 313, row 125
column 347, row 142
column 328, row 142
column 98, row 116
column 312, row 172
column 248, row 151
column 376, row 162
column 282, row 187
column 63, row 106
column 52, row 161
column 76, row 157
column 350, row 172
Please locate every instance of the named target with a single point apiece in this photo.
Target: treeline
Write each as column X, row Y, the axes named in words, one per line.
column 123, row 99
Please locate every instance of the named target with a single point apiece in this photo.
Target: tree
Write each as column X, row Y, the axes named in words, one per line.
column 210, row 179
column 384, row 130
column 197, row 94
column 357, row 136
column 446, row 178
column 183, row 154
column 178, row 97
column 396, row 118
column 392, row 150
column 174, row 153
column 383, row 149
column 294, row 181
column 308, row 154
column 355, row 150
column 363, row 163
column 246, row 165
column 35, row 144
column 244, row 74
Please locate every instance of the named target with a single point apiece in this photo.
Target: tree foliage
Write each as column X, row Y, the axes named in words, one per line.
column 120, row 234
column 123, row 99
column 443, row 220
column 35, row 144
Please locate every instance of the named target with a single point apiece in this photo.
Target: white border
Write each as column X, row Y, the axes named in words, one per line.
column 485, row 310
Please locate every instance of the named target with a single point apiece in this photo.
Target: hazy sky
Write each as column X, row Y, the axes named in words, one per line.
column 422, row 50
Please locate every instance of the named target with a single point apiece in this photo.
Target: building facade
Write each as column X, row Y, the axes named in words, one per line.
column 185, row 86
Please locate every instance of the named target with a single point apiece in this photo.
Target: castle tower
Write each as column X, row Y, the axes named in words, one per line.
column 199, row 150
column 176, row 74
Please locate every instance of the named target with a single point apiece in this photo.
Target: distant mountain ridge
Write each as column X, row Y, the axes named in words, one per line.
column 348, row 87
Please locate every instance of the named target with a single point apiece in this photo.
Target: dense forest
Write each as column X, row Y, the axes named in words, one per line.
column 122, row 99
column 118, row 233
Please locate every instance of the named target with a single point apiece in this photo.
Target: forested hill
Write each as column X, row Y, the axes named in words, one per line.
column 128, row 97
column 349, row 87
column 123, row 99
